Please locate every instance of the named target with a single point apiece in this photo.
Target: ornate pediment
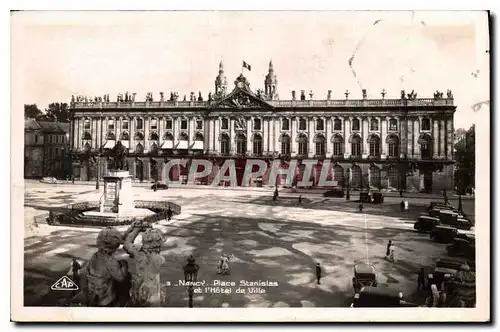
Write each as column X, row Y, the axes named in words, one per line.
column 241, row 98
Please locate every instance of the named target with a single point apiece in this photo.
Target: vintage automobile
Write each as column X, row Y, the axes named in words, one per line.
column 462, row 248
column 454, row 263
column 377, row 297
column 454, row 219
column 159, row 186
column 365, row 197
column 443, row 234
column 334, row 193
column 425, row 224
column 364, row 275
column 441, row 205
column 378, row 198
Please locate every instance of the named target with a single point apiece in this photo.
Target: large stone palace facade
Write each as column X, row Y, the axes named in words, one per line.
column 404, row 143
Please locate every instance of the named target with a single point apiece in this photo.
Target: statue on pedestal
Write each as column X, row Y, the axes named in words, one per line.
column 403, row 94
column 311, row 94
column 161, row 96
column 200, row 98
column 144, row 266
column 364, row 93
column 72, row 98
column 293, row 94
column 329, row 95
column 449, row 94
column 119, row 154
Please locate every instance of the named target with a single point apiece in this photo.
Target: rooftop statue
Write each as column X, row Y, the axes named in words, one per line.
column 293, row 94
column 329, row 95
column 364, row 93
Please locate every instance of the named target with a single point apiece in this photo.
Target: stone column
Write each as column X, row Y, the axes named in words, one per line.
column 249, row 136
column 329, row 145
column 161, row 130
column 232, row 135
column 265, row 134
column 416, row 135
column 276, row 133
column 442, row 139
column 294, row 145
column 364, row 134
column 293, row 134
column 409, row 128
column 81, row 122
column 450, row 138
column 161, row 164
column 132, row 134
column 310, row 145
column 270, row 146
column 217, row 123
column 146, row 123
column 402, row 126
column 191, row 128
column 347, row 134
column 384, row 125
column 435, row 139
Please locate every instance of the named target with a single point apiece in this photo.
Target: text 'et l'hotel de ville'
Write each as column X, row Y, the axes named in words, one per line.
column 404, row 143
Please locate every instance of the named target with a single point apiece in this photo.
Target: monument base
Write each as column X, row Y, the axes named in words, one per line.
column 117, row 197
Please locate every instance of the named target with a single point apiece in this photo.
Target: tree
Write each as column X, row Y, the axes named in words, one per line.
column 56, row 112
column 465, row 155
column 32, row 111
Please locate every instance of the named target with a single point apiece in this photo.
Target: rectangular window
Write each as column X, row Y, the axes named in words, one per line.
column 225, row 124
column 184, row 124
column 36, row 138
column 168, row 124
column 86, row 124
column 199, row 124
column 124, row 124
column 256, row 124
column 139, row 124
column 337, row 124
column 285, row 124
column 111, row 124
column 302, row 124
column 154, row 124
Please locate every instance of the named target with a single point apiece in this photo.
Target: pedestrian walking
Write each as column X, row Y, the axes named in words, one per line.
column 402, row 204
column 361, row 207
column 318, row 273
column 75, row 267
column 388, row 251
column 392, row 258
column 169, row 214
column 300, row 199
column 421, row 280
column 401, row 192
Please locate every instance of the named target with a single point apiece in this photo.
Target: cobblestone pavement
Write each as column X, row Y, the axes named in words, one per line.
column 275, row 241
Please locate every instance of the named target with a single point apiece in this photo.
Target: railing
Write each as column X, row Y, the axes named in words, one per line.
column 275, row 103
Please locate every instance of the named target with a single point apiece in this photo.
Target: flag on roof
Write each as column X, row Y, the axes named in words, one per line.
column 247, row 66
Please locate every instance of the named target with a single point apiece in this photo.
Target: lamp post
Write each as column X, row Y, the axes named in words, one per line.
column 190, row 276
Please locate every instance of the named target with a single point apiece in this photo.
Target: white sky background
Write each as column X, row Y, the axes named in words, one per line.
column 58, row 54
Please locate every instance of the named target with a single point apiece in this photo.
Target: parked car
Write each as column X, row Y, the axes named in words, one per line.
column 440, row 205
column 364, row 275
column 378, row 198
column 365, row 198
column 334, row 193
column 444, row 234
column 159, row 186
column 452, row 219
column 454, row 263
column 426, row 224
column 462, row 248
column 377, row 297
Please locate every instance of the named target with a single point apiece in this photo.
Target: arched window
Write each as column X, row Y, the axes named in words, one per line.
column 257, row 145
column 224, row 144
column 153, row 136
column 356, row 146
column 285, row 124
column 139, row 149
column 302, row 124
column 356, row 176
column 355, row 124
column 338, row 175
column 374, row 125
column 110, row 136
column 154, row 148
column 86, row 147
column 302, row 145
column 393, row 145
column 426, row 124
column 241, row 144
column 320, row 125
column 374, row 146
column 375, row 177
column 393, row 125
column 425, row 146
column 139, row 136
column 337, row 124
column 124, row 136
column 87, row 135
column 285, row 145
column 320, row 145
column 338, row 145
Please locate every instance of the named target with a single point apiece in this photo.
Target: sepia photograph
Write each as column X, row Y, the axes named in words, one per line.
column 180, row 165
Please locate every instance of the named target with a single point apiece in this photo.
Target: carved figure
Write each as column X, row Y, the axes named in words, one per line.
column 364, row 93
column 133, row 96
column 72, row 98
column 223, row 265
column 104, row 275
column 302, row 95
column 184, row 98
column 144, row 266
column 346, row 94
column 329, row 95
column 119, row 153
column 311, row 94
column 449, row 94
column 293, row 94
column 191, row 96
column 403, row 94
column 383, row 93
column 210, row 96
column 200, row 98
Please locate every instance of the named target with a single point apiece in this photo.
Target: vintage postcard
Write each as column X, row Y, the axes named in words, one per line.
column 250, row 166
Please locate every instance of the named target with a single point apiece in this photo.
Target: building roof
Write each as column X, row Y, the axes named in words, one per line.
column 31, row 124
column 54, row 127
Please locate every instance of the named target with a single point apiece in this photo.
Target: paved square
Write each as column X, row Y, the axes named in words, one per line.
column 274, row 241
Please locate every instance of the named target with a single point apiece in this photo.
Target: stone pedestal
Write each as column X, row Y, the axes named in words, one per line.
column 117, row 196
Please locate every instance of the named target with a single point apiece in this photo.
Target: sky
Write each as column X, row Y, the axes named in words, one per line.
column 59, row 54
